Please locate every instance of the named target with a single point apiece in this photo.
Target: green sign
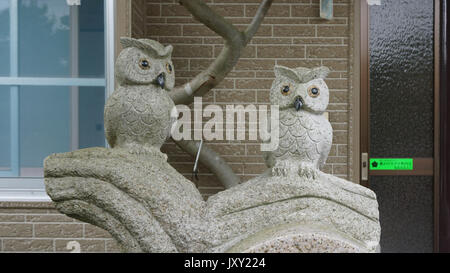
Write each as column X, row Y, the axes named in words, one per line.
column 396, row 164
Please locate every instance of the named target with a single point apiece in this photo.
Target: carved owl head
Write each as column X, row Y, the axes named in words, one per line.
column 145, row 61
column 300, row 88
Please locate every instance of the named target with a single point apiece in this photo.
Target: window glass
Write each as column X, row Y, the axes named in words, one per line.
column 4, row 38
column 44, row 38
column 91, row 103
column 91, row 39
column 402, row 78
column 45, row 125
column 54, row 41
column 65, row 41
column 406, row 213
column 5, row 133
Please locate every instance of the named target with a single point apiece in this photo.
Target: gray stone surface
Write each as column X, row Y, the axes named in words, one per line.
column 299, row 237
column 147, row 206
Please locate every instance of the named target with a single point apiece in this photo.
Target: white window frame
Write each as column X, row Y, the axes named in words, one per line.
column 33, row 189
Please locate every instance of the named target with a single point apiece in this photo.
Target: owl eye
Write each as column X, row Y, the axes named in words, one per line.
column 286, row 90
column 144, row 64
column 313, row 91
column 169, row 68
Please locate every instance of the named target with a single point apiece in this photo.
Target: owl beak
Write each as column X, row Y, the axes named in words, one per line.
column 161, row 80
column 298, row 103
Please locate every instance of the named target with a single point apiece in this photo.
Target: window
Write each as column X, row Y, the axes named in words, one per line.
column 56, row 67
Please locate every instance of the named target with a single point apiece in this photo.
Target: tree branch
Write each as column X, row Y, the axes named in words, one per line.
column 212, row 20
column 257, row 20
column 235, row 41
column 212, row 161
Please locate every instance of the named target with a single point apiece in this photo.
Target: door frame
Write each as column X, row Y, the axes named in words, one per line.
column 424, row 166
column 443, row 190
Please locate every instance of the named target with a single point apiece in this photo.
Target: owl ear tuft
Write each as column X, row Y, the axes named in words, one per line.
column 318, row 73
column 168, row 51
column 127, row 42
column 286, row 72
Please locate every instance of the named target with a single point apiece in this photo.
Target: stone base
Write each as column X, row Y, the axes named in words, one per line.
column 147, row 206
column 299, row 238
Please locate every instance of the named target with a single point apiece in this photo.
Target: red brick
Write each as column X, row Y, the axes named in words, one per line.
column 274, row 11
column 327, row 52
column 197, row 30
column 153, row 10
column 294, row 31
column 305, row 11
column 174, row 10
column 58, row 230
column 163, row 30
column 267, row 51
column 228, row 10
column 253, row 83
column 15, row 230
column 332, row 31
column 27, row 245
column 192, row 51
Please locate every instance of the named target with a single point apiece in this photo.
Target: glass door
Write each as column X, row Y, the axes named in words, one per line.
column 52, row 81
column 398, row 119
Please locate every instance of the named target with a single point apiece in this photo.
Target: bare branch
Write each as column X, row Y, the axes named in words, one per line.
column 235, row 41
column 212, row 20
column 257, row 20
column 212, row 161
column 209, row 78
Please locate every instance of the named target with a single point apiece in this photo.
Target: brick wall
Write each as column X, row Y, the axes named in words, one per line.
column 38, row 227
column 138, row 18
column 292, row 34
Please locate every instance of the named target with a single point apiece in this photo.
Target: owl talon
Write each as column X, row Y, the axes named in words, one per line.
column 308, row 172
column 279, row 171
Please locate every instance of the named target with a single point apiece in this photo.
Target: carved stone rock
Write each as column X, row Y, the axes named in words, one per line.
column 149, row 207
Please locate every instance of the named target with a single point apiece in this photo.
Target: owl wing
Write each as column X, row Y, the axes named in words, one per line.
column 151, row 114
column 110, row 109
column 130, row 112
column 322, row 136
column 269, row 158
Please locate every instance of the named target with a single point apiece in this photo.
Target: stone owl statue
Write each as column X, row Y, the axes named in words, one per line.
column 137, row 114
column 305, row 134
